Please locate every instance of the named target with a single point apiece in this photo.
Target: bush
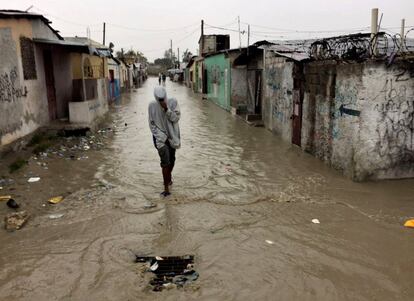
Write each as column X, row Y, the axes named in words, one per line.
column 16, row 165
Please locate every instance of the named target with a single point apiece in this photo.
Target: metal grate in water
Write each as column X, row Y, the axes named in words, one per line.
column 169, row 271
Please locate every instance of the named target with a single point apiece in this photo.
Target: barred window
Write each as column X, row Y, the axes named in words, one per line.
column 28, row 58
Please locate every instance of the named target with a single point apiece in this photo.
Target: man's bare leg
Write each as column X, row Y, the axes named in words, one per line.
column 171, row 169
column 166, row 174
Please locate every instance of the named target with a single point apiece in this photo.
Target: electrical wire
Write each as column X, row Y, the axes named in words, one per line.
column 152, row 30
column 62, row 19
column 226, row 29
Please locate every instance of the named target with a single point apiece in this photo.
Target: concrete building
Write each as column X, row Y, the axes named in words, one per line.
column 359, row 117
column 247, row 84
column 226, row 83
column 27, row 96
column 213, row 43
column 44, row 77
column 200, row 86
column 355, row 114
column 113, row 77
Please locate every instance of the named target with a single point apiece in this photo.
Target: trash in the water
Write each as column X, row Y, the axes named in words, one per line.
column 55, row 216
column 316, row 221
column 169, row 285
column 12, row 204
column 270, row 242
column 16, row 220
column 33, row 180
column 5, row 197
column 126, row 124
column 409, row 223
column 149, row 205
column 56, row 199
column 86, row 147
column 154, row 267
column 170, row 271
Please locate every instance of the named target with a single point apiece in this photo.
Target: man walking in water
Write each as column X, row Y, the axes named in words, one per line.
column 163, row 117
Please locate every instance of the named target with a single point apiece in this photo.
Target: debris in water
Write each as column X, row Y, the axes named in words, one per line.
column 154, row 267
column 409, row 223
column 170, row 271
column 12, row 204
column 16, row 220
column 270, row 242
column 5, row 197
column 33, row 180
column 56, row 199
column 316, row 221
column 55, row 216
column 149, row 205
column 126, row 124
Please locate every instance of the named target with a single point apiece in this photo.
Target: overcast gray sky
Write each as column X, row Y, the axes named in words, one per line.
column 148, row 25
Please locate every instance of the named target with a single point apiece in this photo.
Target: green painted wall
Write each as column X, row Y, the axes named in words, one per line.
column 218, row 80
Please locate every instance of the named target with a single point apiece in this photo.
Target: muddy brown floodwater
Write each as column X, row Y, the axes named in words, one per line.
column 235, row 187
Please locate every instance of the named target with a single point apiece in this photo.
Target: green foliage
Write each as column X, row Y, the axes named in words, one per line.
column 17, row 164
column 36, row 139
column 41, row 148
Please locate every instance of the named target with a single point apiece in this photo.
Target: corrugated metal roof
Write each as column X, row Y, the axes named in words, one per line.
column 9, row 14
column 297, row 50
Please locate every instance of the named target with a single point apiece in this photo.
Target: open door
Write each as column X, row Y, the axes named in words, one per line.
column 205, row 81
column 50, row 84
column 297, row 118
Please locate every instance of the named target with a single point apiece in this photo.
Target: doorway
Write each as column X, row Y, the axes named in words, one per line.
column 50, row 84
column 297, row 106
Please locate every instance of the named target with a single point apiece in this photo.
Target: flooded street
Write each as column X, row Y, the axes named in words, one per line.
column 235, row 187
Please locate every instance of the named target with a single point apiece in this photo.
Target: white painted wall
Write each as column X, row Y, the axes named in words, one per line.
column 22, row 113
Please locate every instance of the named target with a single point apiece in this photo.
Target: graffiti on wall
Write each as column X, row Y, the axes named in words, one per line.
column 279, row 93
column 345, row 105
column 395, row 127
column 9, row 89
column 282, row 105
column 273, row 80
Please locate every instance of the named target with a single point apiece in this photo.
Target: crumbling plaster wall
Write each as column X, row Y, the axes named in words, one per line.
column 23, row 103
column 238, row 87
column 358, row 117
column 277, row 106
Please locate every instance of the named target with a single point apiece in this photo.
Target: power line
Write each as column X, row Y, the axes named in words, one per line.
column 152, row 30
column 63, row 20
column 226, row 29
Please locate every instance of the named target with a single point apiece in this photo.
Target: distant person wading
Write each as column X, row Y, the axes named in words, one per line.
column 163, row 117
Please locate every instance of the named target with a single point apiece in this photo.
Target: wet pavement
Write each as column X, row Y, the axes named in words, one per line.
column 235, row 187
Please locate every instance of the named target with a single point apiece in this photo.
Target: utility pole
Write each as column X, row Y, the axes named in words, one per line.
column 178, row 57
column 171, row 52
column 402, row 33
column 104, row 31
column 238, row 20
column 374, row 30
column 202, row 38
column 248, row 38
